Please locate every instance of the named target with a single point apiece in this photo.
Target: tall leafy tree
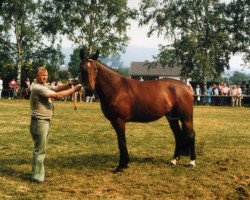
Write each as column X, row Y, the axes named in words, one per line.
column 112, row 61
column 74, row 63
column 92, row 24
column 198, row 34
column 21, row 39
column 18, row 29
column 238, row 14
column 238, row 77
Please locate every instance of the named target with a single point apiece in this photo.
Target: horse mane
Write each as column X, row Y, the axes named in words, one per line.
column 107, row 66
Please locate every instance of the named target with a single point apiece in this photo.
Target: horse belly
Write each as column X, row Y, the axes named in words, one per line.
column 151, row 108
column 144, row 118
column 148, row 113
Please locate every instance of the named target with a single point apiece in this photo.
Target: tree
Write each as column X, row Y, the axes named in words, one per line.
column 238, row 25
column 18, row 29
column 238, row 78
column 123, row 71
column 21, row 40
column 74, row 63
column 92, row 24
column 198, row 32
column 112, row 61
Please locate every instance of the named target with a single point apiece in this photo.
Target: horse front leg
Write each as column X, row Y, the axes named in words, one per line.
column 119, row 126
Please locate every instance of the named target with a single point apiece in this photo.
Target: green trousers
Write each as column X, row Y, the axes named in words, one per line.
column 39, row 130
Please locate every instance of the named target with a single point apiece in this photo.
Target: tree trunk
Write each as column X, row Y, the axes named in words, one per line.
column 19, row 71
column 19, row 52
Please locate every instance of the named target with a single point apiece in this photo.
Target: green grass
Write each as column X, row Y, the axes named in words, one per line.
column 83, row 151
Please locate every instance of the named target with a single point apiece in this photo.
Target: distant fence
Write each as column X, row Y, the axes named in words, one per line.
column 221, row 100
column 216, row 100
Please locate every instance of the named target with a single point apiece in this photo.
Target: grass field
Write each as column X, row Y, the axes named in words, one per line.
column 83, row 151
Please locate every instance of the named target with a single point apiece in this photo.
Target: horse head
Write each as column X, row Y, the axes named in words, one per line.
column 88, row 68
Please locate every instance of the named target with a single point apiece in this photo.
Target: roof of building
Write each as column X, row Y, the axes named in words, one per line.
column 140, row 69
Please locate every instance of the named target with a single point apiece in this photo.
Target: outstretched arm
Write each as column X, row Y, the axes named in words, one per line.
column 64, row 93
column 65, row 86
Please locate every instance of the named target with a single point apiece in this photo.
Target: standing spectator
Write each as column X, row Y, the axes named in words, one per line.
column 197, row 93
column 224, row 92
column 1, row 87
column 41, row 113
column 209, row 92
column 239, row 97
column 220, row 86
column 234, row 95
column 215, row 95
column 12, row 89
column 27, row 88
column 82, row 94
column 27, row 83
column 59, row 82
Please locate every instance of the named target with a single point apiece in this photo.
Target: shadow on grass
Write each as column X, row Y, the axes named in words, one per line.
column 11, row 168
column 98, row 162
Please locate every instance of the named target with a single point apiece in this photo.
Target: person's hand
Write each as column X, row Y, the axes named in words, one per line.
column 78, row 87
column 74, row 82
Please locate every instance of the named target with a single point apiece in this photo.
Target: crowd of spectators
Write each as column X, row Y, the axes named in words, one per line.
column 222, row 94
column 13, row 90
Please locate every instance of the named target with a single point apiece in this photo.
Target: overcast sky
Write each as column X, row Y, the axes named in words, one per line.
column 138, row 36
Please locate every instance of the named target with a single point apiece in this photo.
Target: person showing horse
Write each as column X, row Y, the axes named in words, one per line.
column 126, row 100
column 41, row 114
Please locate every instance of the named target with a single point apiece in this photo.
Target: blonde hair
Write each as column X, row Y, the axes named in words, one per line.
column 40, row 69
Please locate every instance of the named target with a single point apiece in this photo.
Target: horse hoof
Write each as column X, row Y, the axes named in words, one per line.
column 192, row 163
column 173, row 162
column 119, row 169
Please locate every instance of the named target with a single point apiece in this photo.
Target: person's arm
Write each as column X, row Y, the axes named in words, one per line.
column 65, row 85
column 64, row 93
column 61, row 87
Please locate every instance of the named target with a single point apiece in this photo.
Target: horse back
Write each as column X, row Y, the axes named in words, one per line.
column 144, row 101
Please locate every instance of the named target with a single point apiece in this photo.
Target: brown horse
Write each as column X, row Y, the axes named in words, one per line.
column 126, row 100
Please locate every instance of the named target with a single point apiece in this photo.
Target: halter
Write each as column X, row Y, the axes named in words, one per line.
column 95, row 67
column 94, row 62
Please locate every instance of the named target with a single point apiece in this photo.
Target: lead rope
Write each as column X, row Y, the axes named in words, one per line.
column 75, row 95
column 75, row 106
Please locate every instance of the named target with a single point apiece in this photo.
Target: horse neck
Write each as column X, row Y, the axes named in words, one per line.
column 106, row 80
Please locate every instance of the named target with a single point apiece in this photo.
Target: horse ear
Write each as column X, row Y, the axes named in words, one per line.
column 96, row 55
column 82, row 54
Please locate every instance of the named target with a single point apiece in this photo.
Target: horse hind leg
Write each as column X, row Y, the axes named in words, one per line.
column 175, row 127
column 189, row 140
